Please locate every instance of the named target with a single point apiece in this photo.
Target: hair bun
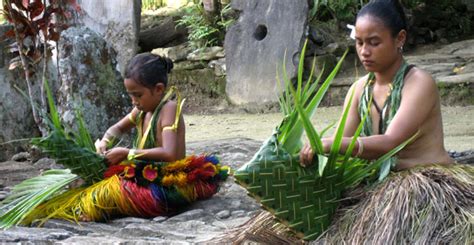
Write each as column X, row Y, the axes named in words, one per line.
column 168, row 64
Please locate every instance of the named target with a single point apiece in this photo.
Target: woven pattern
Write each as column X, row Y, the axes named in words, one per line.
column 82, row 161
column 299, row 197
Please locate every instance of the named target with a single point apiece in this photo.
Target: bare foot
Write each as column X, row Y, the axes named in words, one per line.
column 84, row 218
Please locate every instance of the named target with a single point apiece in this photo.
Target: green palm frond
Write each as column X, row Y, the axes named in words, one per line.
column 305, row 199
column 32, row 192
column 73, row 149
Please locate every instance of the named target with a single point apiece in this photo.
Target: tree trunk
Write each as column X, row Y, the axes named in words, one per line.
column 24, row 62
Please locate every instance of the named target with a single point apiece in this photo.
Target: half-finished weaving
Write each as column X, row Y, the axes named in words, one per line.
column 305, row 198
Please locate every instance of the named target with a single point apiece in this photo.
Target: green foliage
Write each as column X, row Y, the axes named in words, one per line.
column 32, row 192
column 205, row 30
column 152, row 4
column 73, row 149
column 341, row 10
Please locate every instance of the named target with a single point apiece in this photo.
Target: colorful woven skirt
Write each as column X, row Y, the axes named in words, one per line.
column 140, row 189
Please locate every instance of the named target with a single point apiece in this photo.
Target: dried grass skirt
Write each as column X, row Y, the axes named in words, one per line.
column 423, row 205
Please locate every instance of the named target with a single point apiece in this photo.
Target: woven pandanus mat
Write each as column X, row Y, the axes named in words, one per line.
column 297, row 196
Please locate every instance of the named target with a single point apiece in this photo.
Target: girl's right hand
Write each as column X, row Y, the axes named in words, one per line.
column 100, row 146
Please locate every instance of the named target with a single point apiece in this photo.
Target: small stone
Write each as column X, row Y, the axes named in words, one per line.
column 238, row 213
column 3, row 195
column 45, row 163
column 130, row 220
column 176, row 53
column 160, row 219
column 188, row 215
column 224, row 214
column 210, row 53
column 21, row 157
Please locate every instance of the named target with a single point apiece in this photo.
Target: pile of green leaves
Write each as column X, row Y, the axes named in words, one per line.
column 152, row 4
column 205, row 30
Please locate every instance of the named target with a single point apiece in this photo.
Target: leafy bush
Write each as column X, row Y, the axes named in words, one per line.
column 206, row 30
column 151, row 4
column 340, row 10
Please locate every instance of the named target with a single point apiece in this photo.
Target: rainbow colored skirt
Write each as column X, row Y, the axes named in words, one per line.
column 140, row 189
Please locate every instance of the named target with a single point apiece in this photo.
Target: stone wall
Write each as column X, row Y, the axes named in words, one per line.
column 200, row 75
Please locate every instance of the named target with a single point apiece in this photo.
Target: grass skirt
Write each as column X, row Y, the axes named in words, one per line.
column 139, row 189
column 423, row 205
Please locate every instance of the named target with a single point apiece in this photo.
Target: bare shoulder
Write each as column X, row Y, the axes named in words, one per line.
column 169, row 108
column 359, row 85
column 420, row 88
column 420, row 80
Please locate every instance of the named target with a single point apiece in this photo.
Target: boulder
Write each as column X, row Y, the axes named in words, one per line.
column 256, row 44
column 89, row 80
column 15, row 111
column 210, row 53
column 118, row 21
column 175, row 53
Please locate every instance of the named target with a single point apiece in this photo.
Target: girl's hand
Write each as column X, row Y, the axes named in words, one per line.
column 306, row 155
column 100, row 146
column 116, row 155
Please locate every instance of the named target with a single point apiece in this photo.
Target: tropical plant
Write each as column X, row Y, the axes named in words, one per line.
column 205, row 30
column 35, row 23
column 340, row 10
column 305, row 199
column 75, row 151
column 151, row 4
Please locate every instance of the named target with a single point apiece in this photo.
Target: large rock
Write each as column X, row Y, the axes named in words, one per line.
column 89, row 80
column 256, row 45
column 118, row 21
column 16, row 118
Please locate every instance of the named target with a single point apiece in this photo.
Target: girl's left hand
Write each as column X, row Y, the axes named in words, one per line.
column 116, row 155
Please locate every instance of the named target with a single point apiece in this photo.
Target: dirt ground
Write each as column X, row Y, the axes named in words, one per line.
column 458, row 125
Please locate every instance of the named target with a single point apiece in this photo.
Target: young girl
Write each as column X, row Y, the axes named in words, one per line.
column 426, row 203
column 153, row 177
column 159, row 123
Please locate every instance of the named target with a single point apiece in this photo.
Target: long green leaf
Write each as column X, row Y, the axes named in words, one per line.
column 337, row 141
column 53, row 112
column 355, row 177
column 14, row 210
column 325, row 86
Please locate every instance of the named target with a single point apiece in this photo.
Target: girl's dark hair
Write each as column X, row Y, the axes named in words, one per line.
column 149, row 69
column 390, row 12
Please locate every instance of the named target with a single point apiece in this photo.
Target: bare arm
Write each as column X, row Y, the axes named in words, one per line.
column 168, row 152
column 119, row 128
column 353, row 120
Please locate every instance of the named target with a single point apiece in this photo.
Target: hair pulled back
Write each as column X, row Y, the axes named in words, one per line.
column 390, row 12
column 149, row 69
